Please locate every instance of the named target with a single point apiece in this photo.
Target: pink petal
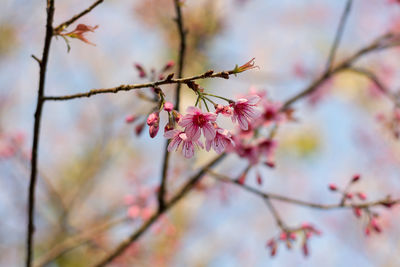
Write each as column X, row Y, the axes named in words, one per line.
column 243, row 123
column 209, row 131
column 171, row 134
column 186, row 120
column 253, row 99
column 188, row 149
column 174, row 144
column 193, row 132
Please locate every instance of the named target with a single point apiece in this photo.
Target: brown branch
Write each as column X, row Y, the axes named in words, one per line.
column 338, row 35
column 383, row 202
column 206, row 75
column 146, row 225
column 382, row 42
column 36, row 132
column 75, row 242
column 65, row 24
column 181, row 59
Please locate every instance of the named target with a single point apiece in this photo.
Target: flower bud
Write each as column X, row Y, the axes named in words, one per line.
column 153, row 118
column 168, row 106
column 332, row 187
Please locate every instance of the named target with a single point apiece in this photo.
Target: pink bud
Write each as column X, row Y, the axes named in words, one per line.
column 169, row 65
column 357, row 212
column 153, row 118
column 355, row 178
column 361, row 195
column 130, row 118
column 140, row 69
column 349, row 195
column 153, row 130
column 259, row 179
column 168, row 106
column 283, row 236
column 332, row 187
column 270, row 164
column 305, row 249
column 376, row 226
column 139, row 128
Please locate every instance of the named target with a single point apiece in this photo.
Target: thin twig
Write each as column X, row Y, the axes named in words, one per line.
column 65, row 24
column 377, row 45
column 36, row 132
column 205, row 75
column 226, row 179
column 338, row 35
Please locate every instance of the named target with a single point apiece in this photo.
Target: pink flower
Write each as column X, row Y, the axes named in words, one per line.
column 196, row 120
column 271, row 112
column 244, row 112
column 179, row 137
column 220, row 142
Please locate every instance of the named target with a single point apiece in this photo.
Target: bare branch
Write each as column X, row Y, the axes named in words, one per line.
column 206, row 75
column 382, row 202
column 181, row 59
column 338, row 35
column 36, row 133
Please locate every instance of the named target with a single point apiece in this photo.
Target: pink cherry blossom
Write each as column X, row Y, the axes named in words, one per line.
column 220, row 142
column 179, row 137
column 244, row 112
column 195, row 121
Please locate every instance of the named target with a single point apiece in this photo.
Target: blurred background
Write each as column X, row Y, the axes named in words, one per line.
column 97, row 176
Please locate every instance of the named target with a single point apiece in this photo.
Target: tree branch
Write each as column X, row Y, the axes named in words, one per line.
column 65, row 24
column 205, row 75
column 338, row 35
column 181, row 58
column 36, row 133
column 383, row 42
column 226, row 179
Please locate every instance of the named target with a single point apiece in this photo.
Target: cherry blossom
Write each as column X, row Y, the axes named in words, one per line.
column 244, row 111
column 220, row 142
column 195, row 120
